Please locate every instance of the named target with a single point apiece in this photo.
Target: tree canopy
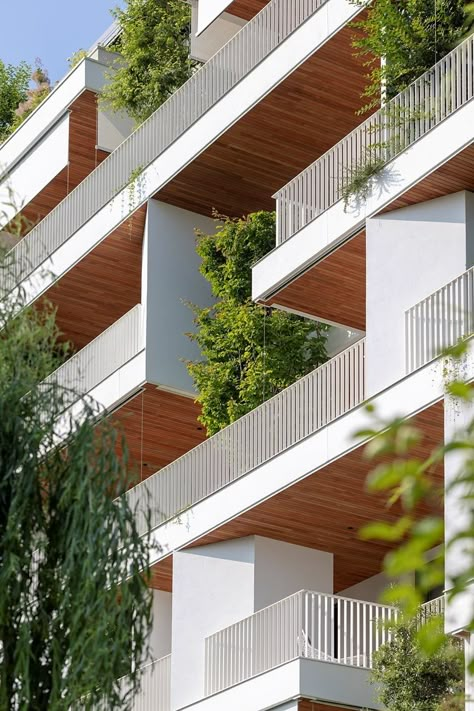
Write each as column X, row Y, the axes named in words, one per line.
column 14, row 81
column 74, row 603
column 154, row 62
column 249, row 352
column 410, row 36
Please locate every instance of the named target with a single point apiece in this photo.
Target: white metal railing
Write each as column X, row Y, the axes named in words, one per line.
column 433, row 607
column 154, row 694
column 424, row 104
column 439, row 321
column 312, row 625
column 102, row 356
column 255, row 41
column 296, row 412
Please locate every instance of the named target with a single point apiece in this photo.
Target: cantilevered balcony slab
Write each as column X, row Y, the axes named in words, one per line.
column 267, row 50
column 312, row 217
column 230, row 508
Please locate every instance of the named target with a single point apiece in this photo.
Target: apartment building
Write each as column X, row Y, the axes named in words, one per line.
column 264, row 595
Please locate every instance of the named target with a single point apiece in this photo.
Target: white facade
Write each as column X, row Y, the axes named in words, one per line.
column 248, row 621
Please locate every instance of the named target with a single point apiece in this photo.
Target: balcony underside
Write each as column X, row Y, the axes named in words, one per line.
column 103, row 286
column 300, row 119
column 325, row 511
column 307, row 705
column 83, row 158
column 246, row 9
column 159, row 427
column 333, row 289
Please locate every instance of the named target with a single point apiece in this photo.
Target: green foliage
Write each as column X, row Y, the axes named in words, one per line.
column 13, row 90
column 154, row 48
column 409, row 680
column 411, row 36
column 249, row 353
column 358, row 184
column 74, row 603
column 34, row 96
column 75, row 58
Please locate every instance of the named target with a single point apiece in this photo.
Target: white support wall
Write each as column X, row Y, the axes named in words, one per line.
column 160, row 636
column 170, row 279
column 208, row 11
column 411, row 252
column 217, row 585
column 207, row 42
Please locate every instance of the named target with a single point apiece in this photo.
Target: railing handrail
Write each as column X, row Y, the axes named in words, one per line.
column 212, row 81
column 366, row 127
column 439, row 321
column 352, row 357
column 299, row 593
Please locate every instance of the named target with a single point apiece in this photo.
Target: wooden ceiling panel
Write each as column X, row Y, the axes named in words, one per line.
column 83, row 158
column 159, row 427
column 103, row 286
column 307, row 705
column 299, row 120
column 333, row 289
column 325, row 511
column 246, row 9
column 455, row 175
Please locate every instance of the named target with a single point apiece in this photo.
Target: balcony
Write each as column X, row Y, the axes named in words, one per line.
column 441, row 320
column 321, row 632
column 298, row 411
column 176, row 130
column 90, row 370
column 424, row 138
column 154, row 694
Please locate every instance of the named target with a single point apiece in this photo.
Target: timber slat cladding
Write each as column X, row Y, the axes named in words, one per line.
column 306, row 705
column 312, row 109
column 333, row 289
column 455, row 175
column 325, row 511
column 246, row 9
column 159, row 427
column 82, row 158
column 103, row 286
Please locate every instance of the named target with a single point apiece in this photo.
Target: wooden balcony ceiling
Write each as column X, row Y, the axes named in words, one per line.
column 455, row 175
column 333, row 289
column 299, row 120
column 83, row 158
column 325, row 511
column 307, row 705
column 103, row 286
column 159, row 427
column 246, row 9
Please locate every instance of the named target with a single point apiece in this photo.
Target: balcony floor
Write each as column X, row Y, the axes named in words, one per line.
column 325, row 511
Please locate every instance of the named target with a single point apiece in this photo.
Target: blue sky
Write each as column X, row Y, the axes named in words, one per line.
column 51, row 30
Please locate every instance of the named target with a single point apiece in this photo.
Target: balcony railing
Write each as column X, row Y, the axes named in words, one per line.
column 439, row 321
column 255, row 41
column 306, row 625
column 301, row 409
column 432, row 608
column 154, row 694
column 102, row 356
column 406, row 118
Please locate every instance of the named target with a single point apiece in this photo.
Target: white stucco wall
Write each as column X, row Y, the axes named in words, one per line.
column 369, row 589
column 160, row 636
column 208, row 11
column 206, row 43
column 411, row 252
column 282, row 569
column 217, row 585
column 172, row 278
column 112, row 129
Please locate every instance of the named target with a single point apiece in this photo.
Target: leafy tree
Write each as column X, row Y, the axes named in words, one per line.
column 249, row 353
column 154, row 48
column 411, row 36
column 409, row 680
column 34, row 95
column 74, row 602
column 76, row 57
column 14, row 82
